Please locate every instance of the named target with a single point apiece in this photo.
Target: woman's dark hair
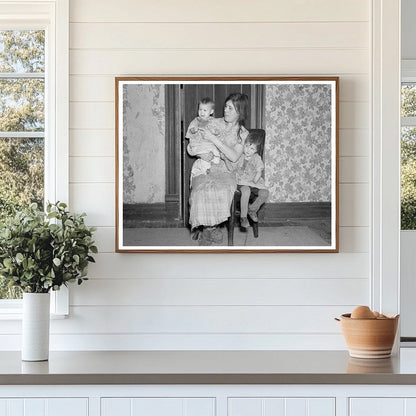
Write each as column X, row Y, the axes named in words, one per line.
column 240, row 102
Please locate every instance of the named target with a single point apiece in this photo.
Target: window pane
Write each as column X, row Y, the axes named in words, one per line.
column 22, row 104
column 22, row 51
column 21, row 173
column 408, row 178
column 22, row 110
column 21, row 182
column 408, row 100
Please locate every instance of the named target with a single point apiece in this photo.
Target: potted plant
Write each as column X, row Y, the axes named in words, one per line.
column 40, row 252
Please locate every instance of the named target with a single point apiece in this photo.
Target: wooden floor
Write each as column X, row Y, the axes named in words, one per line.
column 300, row 233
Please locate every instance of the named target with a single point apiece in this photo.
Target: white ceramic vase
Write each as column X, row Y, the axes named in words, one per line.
column 35, row 326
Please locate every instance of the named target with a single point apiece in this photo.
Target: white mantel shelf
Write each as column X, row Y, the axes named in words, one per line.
column 207, row 367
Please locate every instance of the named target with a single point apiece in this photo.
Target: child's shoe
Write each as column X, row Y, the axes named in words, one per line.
column 244, row 222
column 253, row 216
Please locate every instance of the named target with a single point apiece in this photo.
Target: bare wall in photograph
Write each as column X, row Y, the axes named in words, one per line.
column 143, row 143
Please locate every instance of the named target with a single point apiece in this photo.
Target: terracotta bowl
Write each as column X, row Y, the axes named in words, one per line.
column 369, row 338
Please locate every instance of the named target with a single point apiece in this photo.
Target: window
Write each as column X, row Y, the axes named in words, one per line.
column 33, row 111
column 408, row 153
column 22, row 124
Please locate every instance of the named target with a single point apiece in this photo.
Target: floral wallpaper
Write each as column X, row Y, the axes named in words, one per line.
column 143, row 143
column 298, row 142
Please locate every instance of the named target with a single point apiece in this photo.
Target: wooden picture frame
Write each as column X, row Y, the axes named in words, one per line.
column 160, row 209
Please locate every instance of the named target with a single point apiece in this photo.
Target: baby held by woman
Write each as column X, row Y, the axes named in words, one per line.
column 206, row 151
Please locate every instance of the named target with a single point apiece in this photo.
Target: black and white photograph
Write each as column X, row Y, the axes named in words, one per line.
column 234, row 164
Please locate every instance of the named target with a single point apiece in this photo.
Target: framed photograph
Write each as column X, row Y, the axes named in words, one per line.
column 235, row 164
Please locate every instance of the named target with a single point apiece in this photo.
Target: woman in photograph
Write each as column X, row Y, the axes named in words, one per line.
column 213, row 192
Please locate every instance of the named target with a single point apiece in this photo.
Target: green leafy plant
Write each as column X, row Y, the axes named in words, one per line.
column 43, row 251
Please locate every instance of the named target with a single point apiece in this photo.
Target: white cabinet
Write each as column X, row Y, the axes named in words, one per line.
column 270, row 406
column 208, row 400
column 160, row 406
column 382, row 406
column 44, row 407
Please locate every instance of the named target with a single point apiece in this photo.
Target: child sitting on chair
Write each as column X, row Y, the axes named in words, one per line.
column 198, row 146
column 248, row 173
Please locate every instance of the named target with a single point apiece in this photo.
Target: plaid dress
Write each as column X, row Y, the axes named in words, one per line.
column 212, row 194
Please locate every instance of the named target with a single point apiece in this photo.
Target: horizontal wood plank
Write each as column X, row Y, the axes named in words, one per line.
column 92, row 143
column 220, row 291
column 354, row 239
column 354, row 142
column 96, row 199
column 252, row 266
column 220, row 62
column 91, row 169
column 201, row 319
column 354, row 169
column 233, row 11
column 354, row 205
column 219, row 35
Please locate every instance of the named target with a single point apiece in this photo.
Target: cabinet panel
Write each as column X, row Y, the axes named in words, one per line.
column 377, row 407
column 157, row 406
column 119, row 407
column 67, row 407
column 34, row 407
column 281, row 406
column 410, row 406
column 44, row 407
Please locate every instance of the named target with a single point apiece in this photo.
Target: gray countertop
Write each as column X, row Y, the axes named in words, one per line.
column 207, row 367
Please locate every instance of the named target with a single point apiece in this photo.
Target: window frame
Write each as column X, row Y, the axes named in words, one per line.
column 53, row 17
column 408, row 76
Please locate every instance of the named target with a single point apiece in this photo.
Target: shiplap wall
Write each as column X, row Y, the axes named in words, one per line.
column 214, row 301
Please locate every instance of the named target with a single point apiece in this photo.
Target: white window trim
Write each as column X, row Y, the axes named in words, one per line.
column 53, row 16
column 385, row 209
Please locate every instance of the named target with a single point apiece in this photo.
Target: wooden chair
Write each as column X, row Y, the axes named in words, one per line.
column 237, row 195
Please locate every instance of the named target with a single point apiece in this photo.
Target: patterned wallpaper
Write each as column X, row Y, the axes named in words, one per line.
column 143, row 143
column 298, row 142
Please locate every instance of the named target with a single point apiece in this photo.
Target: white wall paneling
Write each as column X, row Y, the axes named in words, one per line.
column 222, row 35
column 216, row 300
column 86, row 169
column 94, row 143
column 235, row 11
column 280, row 61
column 219, row 291
column 346, row 265
column 353, row 142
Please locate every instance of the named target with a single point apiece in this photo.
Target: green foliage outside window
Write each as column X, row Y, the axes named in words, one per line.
column 408, row 160
column 21, row 110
